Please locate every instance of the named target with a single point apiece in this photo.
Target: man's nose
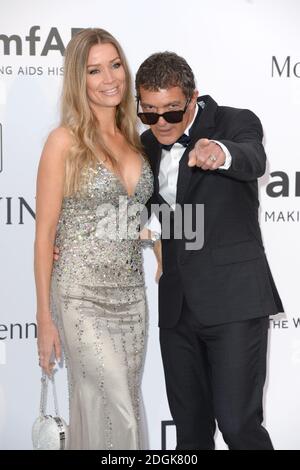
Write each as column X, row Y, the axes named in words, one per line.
column 161, row 121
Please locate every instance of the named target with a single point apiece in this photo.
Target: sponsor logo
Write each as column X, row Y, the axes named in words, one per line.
column 13, row 210
column 282, row 186
column 33, row 44
column 13, row 331
column 285, row 67
column 284, row 323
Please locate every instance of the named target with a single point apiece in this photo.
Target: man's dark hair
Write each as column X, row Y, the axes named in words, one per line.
column 164, row 70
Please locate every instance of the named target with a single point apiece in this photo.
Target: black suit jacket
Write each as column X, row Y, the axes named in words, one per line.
column 228, row 279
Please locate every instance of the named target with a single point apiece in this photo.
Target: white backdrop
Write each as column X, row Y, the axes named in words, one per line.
column 245, row 53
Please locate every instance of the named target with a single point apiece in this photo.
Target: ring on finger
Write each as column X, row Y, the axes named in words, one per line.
column 213, row 158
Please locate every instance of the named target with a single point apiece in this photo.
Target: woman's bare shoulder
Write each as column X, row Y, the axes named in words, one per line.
column 61, row 137
column 57, row 145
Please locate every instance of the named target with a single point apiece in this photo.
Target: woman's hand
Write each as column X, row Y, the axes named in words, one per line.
column 48, row 342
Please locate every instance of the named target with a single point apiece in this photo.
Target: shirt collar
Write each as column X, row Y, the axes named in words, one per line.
column 187, row 130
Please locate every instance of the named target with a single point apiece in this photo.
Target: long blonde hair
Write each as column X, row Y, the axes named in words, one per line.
column 77, row 116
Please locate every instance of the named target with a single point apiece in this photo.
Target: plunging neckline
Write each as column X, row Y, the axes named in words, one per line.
column 112, row 173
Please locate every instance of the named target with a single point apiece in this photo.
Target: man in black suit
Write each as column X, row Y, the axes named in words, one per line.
column 214, row 302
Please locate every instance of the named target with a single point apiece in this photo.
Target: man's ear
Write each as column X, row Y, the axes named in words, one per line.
column 194, row 97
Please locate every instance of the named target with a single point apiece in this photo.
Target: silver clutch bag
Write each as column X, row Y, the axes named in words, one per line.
column 49, row 432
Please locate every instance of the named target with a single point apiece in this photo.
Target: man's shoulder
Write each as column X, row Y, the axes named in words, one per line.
column 231, row 111
column 231, row 115
column 223, row 110
column 147, row 137
column 149, row 143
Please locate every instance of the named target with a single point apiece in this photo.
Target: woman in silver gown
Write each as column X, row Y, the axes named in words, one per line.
column 92, row 184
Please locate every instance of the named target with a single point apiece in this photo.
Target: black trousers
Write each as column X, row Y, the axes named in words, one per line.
column 216, row 373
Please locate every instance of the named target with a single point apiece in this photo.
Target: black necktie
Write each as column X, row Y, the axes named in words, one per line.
column 183, row 140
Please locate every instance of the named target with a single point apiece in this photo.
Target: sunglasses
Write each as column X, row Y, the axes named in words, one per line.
column 172, row 117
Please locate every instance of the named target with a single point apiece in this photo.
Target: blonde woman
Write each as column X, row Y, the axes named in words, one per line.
column 92, row 300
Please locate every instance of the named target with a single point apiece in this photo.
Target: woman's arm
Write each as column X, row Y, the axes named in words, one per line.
column 157, row 251
column 50, row 187
column 148, row 236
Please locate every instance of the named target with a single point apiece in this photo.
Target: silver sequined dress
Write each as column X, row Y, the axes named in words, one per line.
column 98, row 301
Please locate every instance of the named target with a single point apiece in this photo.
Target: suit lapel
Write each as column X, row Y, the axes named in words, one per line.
column 153, row 151
column 203, row 127
column 156, row 170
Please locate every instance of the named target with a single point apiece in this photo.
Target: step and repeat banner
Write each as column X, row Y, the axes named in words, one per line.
column 245, row 53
